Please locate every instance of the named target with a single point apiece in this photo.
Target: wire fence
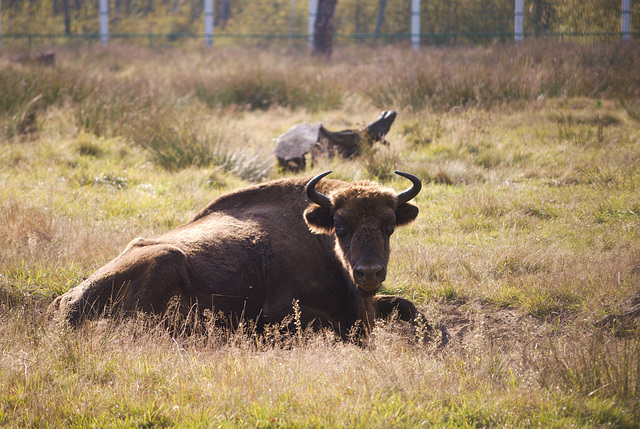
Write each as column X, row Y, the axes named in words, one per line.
column 341, row 39
column 289, row 22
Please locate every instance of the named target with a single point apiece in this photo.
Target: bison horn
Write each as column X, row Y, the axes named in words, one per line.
column 315, row 196
column 410, row 193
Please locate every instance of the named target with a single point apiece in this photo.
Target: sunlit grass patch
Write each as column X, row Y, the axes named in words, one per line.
column 39, row 281
column 543, row 302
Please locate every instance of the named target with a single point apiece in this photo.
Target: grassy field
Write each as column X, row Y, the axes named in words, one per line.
column 528, row 233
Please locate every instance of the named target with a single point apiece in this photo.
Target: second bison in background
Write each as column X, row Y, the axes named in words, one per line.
column 292, row 147
column 251, row 253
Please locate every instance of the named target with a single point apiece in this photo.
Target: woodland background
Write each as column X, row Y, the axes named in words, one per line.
column 354, row 20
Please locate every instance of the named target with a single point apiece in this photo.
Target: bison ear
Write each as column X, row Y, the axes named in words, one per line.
column 406, row 213
column 319, row 220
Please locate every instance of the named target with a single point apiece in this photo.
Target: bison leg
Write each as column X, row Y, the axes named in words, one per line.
column 145, row 277
column 387, row 305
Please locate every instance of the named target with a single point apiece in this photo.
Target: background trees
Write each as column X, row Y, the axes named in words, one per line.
column 475, row 19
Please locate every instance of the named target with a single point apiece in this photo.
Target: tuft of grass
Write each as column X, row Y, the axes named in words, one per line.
column 179, row 146
column 593, row 365
column 442, row 177
column 378, row 161
column 86, row 146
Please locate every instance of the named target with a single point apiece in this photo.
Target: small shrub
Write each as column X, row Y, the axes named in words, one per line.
column 378, row 161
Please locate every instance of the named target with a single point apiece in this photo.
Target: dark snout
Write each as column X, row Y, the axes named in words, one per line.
column 369, row 275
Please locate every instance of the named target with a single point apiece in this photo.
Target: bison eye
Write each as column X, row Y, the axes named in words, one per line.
column 389, row 229
column 341, row 231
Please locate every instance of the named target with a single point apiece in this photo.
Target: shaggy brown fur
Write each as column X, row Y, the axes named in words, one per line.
column 251, row 253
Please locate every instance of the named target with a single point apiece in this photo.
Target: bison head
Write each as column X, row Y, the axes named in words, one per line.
column 362, row 216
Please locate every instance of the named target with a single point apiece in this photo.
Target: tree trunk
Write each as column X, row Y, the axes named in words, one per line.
column 542, row 13
column 322, row 40
column 67, row 17
column 380, row 20
column 224, row 14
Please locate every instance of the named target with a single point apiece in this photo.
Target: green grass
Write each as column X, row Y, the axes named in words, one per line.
column 528, row 234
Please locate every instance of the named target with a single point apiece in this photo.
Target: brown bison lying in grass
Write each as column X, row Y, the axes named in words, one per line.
column 251, row 253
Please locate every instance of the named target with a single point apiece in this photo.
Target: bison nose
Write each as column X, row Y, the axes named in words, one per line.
column 369, row 274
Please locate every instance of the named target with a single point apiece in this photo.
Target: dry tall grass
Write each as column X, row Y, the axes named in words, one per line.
column 528, row 234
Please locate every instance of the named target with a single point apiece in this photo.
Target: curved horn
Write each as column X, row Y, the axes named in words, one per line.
column 315, row 196
column 410, row 193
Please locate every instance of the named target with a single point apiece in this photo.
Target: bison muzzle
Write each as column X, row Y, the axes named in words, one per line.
column 252, row 252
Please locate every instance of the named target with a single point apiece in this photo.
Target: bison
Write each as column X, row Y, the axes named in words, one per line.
column 252, row 252
column 292, row 147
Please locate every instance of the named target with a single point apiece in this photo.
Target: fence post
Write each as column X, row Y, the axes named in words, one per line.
column 208, row 23
column 104, row 22
column 517, row 24
column 313, row 13
column 626, row 19
column 415, row 24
